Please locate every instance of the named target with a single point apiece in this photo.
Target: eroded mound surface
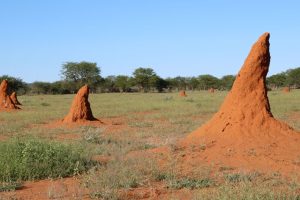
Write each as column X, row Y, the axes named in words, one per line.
column 80, row 109
column 14, row 98
column 244, row 134
column 5, row 100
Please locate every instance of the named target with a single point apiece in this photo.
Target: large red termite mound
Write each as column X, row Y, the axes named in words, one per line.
column 244, row 134
column 14, row 98
column 5, row 100
column 80, row 109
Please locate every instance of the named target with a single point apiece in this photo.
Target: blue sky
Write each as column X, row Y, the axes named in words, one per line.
column 174, row 37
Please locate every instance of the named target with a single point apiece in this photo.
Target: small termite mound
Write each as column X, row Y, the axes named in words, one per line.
column 286, row 89
column 5, row 100
column 211, row 90
column 80, row 109
column 182, row 93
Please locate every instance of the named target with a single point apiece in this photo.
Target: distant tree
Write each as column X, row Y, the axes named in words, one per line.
column 193, row 83
column 15, row 84
column 293, row 77
column 123, row 83
column 143, row 78
column 109, row 84
column 208, row 81
column 277, row 80
column 81, row 73
column 178, row 83
column 40, row 88
column 159, row 83
column 227, row 81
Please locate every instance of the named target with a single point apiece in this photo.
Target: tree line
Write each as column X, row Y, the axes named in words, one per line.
column 76, row 74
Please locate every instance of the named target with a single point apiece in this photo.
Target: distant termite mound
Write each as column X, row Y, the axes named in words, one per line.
column 244, row 134
column 182, row 93
column 286, row 89
column 5, row 100
column 14, row 98
column 80, row 109
column 211, row 90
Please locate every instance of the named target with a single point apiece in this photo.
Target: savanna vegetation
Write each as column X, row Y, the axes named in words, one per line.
column 32, row 147
column 75, row 74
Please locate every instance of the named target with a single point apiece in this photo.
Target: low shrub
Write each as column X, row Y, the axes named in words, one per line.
column 32, row 159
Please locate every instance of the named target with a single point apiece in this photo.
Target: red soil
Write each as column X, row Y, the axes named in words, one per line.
column 67, row 188
column 243, row 134
column 286, row 89
column 80, row 109
column 5, row 100
column 211, row 90
column 14, row 98
column 182, row 93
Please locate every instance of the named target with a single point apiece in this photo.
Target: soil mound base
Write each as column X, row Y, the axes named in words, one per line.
column 243, row 133
column 14, row 98
column 182, row 93
column 80, row 109
column 5, row 100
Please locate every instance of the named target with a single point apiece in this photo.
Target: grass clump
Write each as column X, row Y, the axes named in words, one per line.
column 108, row 181
column 32, row 159
column 190, row 183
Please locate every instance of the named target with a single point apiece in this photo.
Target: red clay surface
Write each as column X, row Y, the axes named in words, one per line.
column 67, row 188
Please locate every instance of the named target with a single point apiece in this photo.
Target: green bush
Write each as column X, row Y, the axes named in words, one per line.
column 32, row 159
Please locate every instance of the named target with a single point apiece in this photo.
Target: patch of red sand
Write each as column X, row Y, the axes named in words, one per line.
column 244, row 134
column 3, row 138
column 5, row 100
column 67, row 188
column 182, row 93
column 14, row 98
column 80, row 109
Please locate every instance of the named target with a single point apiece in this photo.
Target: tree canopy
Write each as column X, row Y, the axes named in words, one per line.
column 80, row 73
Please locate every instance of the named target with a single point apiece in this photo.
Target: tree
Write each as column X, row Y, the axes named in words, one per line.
column 123, row 83
column 293, row 77
column 208, row 81
column 158, row 83
column 193, row 83
column 15, row 84
column 109, row 84
column 144, row 77
column 277, row 80
column 40, row 88
column 227, row 81
column 81, row 73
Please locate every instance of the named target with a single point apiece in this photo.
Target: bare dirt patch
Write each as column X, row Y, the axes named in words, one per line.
column 67, row 188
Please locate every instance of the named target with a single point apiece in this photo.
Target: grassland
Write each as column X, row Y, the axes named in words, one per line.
column 137, row 122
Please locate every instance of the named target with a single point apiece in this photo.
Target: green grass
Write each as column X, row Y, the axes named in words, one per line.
column 34, row 159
